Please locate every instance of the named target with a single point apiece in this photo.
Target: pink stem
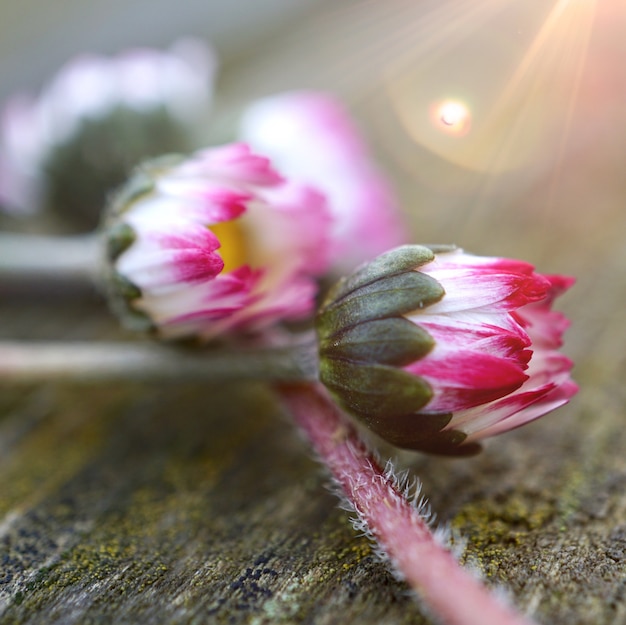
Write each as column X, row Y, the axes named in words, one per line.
column 453, row 594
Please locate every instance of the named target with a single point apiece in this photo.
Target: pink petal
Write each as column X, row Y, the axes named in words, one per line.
column 205, row 201
column 465, row 379
column 295, row 223
column 545, row 326
column 548, row 386
column 519, row 409
column 311, row 137
column 468, row 289
column 492, row 264
column 489, row 334
column 166, row 257
column 234, row 162
column 294, row 300
column 192, row 308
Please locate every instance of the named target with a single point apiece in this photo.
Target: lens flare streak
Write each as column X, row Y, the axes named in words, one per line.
column 511, row 109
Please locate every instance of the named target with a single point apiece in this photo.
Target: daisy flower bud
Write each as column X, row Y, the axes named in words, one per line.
column 97, row 118
column 435, row 349
column 312, row 139
column 212, row 244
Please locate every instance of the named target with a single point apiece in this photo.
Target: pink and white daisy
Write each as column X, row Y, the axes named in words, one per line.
column 89, row 88
column 312, row 139
column 218, row 243
column 477, row 336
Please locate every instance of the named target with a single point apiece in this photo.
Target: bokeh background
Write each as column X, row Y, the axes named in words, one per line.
column 501, row 123
column 471, row 105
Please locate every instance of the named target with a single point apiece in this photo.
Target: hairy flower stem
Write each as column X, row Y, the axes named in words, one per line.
column 33, row 362
column 36, row 257
column 452, row 594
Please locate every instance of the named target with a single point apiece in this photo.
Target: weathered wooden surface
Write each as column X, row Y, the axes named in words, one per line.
column 196, row 504
column 189, row 504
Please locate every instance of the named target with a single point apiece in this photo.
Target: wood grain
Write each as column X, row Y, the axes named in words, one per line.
column 185, row 504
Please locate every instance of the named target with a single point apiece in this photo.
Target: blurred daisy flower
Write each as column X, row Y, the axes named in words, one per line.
column 312, row 139
column 436, row 351
column 98, row 117
column 215, row 244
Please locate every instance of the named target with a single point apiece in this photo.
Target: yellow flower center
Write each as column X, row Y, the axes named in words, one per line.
column 234, row 246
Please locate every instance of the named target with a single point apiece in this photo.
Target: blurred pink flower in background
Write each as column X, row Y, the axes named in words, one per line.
column 311, row 138
column 218, row 243
column 99, row 116
column 175, row 83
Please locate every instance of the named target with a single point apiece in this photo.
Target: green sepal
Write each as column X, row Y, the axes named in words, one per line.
column 377, row 391
column 119, row 237
column 394, row 341
column 122, row 293
column 124, row 287
column 446, row 443
column 422, row 432
column 399, row 260
column 409, row 431
column 139, row 184
column 387, row 297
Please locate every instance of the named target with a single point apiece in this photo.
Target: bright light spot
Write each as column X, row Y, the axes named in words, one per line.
column 452, row 117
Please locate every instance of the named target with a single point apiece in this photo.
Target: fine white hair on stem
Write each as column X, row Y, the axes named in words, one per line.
column 410, row 488
column 389, row 508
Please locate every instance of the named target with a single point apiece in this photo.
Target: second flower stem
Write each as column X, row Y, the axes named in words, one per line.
column 93, row 361
column 37, row 257
column 450, row 593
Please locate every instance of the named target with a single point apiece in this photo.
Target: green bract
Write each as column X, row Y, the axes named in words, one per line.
column 365, row 340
